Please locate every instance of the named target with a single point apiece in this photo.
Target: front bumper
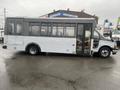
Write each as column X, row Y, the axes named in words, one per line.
column 114, row 51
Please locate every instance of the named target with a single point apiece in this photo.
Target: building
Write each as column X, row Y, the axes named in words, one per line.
column 69, row 14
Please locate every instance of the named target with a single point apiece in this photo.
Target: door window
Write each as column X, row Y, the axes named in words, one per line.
column 87, row 39
column 80, row 35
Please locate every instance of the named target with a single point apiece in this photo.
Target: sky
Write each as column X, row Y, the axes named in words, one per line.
column 104, row 9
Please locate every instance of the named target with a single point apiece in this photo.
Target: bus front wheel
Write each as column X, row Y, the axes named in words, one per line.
column 104, row 52
column 33, row 50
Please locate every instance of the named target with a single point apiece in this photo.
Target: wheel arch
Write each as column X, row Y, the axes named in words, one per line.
column 105, row 46
column 32, row 44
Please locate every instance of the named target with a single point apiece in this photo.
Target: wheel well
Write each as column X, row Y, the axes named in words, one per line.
column 107, row 47
column 32, row 44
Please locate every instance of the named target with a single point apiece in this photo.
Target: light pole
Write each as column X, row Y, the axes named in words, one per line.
column 4, row 17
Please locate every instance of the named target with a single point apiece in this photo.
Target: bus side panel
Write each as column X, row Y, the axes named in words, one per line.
column 53, row 44
column 14, row 42
column 47, row 44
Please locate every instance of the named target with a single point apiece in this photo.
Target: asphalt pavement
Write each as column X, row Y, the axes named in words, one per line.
column 19, row 71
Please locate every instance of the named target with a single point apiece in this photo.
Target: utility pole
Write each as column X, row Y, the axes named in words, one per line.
column 4, row 18
column 4, row 13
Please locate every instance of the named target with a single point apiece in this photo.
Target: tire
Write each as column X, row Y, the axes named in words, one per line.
column 33, row 50
column 105, row 52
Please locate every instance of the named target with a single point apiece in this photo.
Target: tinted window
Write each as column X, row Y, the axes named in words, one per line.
column 70, row 30
column 34, row 30
column 54, row 30
column 18, row 29
column 11, row 28
column 60, row 31
column 49, row 30
column 44, row 29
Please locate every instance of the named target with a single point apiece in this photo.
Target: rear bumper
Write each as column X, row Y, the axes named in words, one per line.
column 4, row 46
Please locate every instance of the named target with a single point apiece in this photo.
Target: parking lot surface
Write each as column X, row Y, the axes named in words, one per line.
column 19, row 71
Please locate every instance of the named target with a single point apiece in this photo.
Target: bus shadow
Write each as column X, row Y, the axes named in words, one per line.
column 50, row 54
column 96, row 57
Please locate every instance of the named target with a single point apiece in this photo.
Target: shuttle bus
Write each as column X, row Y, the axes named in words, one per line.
column 56, row 35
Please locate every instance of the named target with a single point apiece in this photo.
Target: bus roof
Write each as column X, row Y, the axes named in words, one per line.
column 70, row 20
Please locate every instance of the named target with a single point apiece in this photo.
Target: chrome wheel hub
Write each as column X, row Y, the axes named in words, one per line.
column 104, row 53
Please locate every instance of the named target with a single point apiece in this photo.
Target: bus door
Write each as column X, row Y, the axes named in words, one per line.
column 87, row 39
column 83, row 39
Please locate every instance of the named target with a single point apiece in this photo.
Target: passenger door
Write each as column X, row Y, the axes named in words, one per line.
column 87, row 38
column 80, row 37
column 84, row 32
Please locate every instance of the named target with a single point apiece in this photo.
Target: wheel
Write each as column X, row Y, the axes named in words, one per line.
column 104, row 52
column 33, row 50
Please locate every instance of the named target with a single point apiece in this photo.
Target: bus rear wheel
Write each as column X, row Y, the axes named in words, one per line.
column 104, row 52
column 33, row 50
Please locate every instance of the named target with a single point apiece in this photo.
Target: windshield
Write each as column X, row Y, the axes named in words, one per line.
column 101, row 36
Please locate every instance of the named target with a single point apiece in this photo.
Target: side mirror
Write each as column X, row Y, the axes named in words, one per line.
column 111, row 34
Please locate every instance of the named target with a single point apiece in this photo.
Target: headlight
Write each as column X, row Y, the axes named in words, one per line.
column 116, row 38
column 115, row 45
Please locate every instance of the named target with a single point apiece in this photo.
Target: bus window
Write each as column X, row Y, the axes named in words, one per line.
column 34, row 30
column 49, row 30
column 54, row 30
column 44, row 29
column 69, row 31
column 60, row 31
column 18, row 29
column 11, row 28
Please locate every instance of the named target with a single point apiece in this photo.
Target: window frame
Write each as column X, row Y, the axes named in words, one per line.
column 50, row 25
column 30, row 28
column 8, row 27
column 20, row 23
column 46, row 24
column 75, row 29
column 15, row 22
